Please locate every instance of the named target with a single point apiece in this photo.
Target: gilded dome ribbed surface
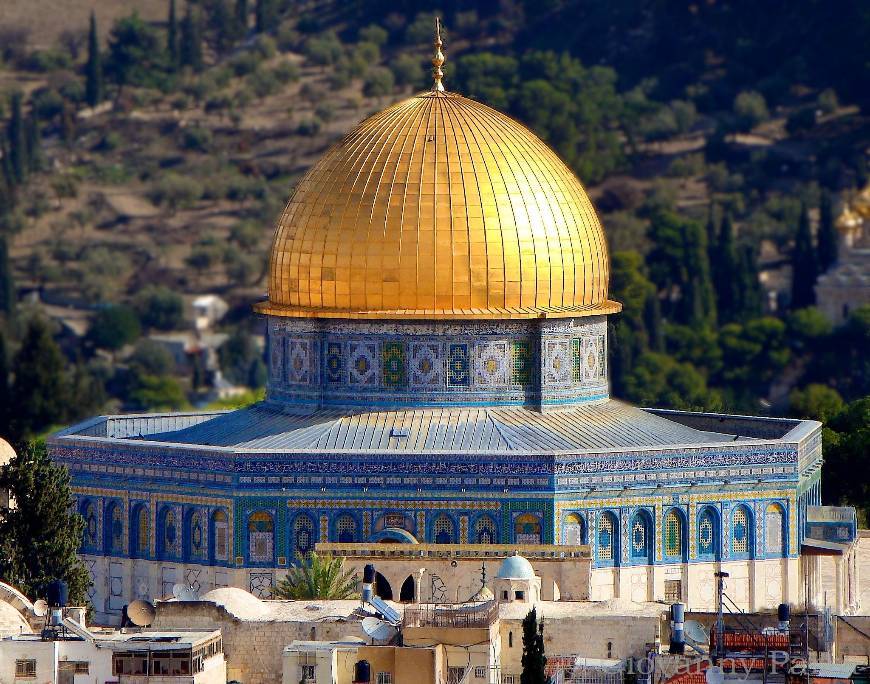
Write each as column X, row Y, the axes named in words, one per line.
column 439, row 207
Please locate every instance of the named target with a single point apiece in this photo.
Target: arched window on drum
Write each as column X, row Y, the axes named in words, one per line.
column 640, row 538
column 303, row 535
column 345, row 529
column 573, row 530
column 442, row 530
column 114, row 528
column 742, row 540
column 140, row 540
column 261, row 537
column 608, row 539
column 774, row 530
column 675, row 535
column 527, row 529
column 708, row 534
column 220, row 536
column 91, row 540
column 195, row 536
column 485, row 531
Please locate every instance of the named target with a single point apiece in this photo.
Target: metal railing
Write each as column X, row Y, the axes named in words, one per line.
column 436, row 615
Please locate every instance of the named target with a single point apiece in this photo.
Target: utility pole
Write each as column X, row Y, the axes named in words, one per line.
column 720, row 617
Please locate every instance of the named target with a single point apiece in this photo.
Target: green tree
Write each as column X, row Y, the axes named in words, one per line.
column 803, row 264
column 827, row 235
column 240, row 360
column 40, row 536
column 815, row 401
column 136, row 54
column 318, row 577
column 33, row 137
column 379, row 82
column 266, row 15
column 94, row 66
column 40, row 390
column 113, row 327
column 172, row 37
column 534, row 661
column 17, row 134
column 753, row 354
column 159, row 307
column 628, row 333
column 223, row 24
column 157, row 393
column 661, row 381
column 5, row 390
column 748, row 286
column 724, row 268
column 241, row 12
column 846, row 443
column 190, row 50
column 7, row 285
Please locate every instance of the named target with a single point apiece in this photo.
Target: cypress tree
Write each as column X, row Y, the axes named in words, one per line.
column 223, row 24
column 701, row 305
column 39, row 390
column 42, row 534
column 7, row 288
column 827, row 237
column 534, row 661
column 652, row 318
column 804, row 265
column 190, row 50
column 34, row 143
column 242, row 16
column 724, row 271
column 172, row 37
column 265, row 15
column 5, row 397
column 94, row 67
column 749, row 287
column 17, row 142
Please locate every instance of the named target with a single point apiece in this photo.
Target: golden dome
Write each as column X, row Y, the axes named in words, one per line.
column 847, row 220
column 439, row 207
column 861, row 203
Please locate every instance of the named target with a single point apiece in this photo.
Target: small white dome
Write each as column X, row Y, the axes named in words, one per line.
column 7, row 453
column 516, row 567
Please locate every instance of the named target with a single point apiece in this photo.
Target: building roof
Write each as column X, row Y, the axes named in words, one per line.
column 516, row 567
column 605, row 425
column 439, row 207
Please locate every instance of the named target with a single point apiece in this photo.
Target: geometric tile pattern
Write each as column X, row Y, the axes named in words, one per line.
column 521, row 371
column 364, row 363
column 427, row 367
column 557, row 368
column 394, row 364
column 334, row 362
column 459, row 366
column 299, row 362
column 491, row 364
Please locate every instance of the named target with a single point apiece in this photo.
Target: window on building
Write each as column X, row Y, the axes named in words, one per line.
column 168, row 534
column 25, row 668
column 609, row 649
column 741, row 531
column 384, row 678
column 140, row 545
column 673, row 591
column 303, row 535
column 89, row 513
column 346, row 529
column 510, row 639
column 81, row 667
column 115, row 529
column 708, row 533
column 640, row 537
column 455, row 674
column 221, row 532
column 484, row 530
column 606, row 537
column 573, row 530
column 673, row 534
column 480, row 672
column 773, row 519
column 520, row 595
column 308, row 673
column 261, row 537
column 443, row 530
column 507, row 679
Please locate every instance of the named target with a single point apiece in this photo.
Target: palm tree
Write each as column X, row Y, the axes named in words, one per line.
column 318, row 577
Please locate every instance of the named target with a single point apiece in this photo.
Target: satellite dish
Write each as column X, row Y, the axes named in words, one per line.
column 695, row 633
column 40, row 608
column 141, row 613
column 714, row 675
column 177, row 589
column 378, row 630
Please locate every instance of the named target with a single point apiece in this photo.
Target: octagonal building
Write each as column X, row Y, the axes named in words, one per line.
column 437, row 343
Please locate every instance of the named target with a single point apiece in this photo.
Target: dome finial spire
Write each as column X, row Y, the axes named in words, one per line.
column 437, row 60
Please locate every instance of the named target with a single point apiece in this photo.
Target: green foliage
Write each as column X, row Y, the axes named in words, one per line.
column 373, row 34
column 534, row 661
column 196, row 138
column 266, row 15
column 660, row 380
column 827, row 234
column 753, row 354
column 136, row 53
column 804, row 265
column 114, row 327
column 94, row 66
column 159, row 307
column 751, row 109
column 190, row 47
column 7, row 285
column 407, row 69
column 247, row 398
column 175, row 191
column 379, row 82
column 724, row 266
column 318, row 577
column 846, row 444
column 815, row 401
column 323, row 49
column 628, row 333
column 157, row 393
column 40, row 390
column 172, row 48
column 16, row 133
column 40, row 536
column 240, row 360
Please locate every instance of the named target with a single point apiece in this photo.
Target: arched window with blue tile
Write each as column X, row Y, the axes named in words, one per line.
column 674, row 542
column 140, row 531
column 742, row 538
column 485, row 530
column 91, row 538
column 302, row 535
column 708, row 543
column 114, row 524
column 574, row 529
column 443, row 530
column 168, row 537
column 774, row 531
column 607, row 539
column 346, row 529
column 527, row 529
column 195, row 539
column 640, row 538
column 261, row 537
column 219, row 536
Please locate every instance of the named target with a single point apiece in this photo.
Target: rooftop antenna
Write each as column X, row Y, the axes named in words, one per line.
column 437, row 60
